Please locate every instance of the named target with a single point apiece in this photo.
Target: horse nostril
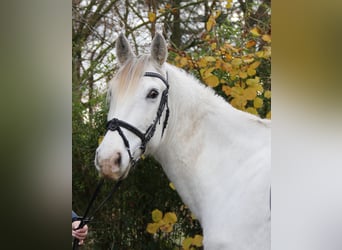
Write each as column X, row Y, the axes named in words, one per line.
column 117, row 159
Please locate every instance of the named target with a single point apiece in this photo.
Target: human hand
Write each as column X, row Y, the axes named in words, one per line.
column 81, row 233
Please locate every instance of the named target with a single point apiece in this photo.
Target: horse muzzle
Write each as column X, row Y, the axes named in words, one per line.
column 114, row 166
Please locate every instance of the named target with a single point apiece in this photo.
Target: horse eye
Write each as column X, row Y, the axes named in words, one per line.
column 152, row 94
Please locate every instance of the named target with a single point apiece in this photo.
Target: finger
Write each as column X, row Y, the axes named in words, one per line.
column 81, row 231
column 75, row 224
column 80, row 236
column 85, row 228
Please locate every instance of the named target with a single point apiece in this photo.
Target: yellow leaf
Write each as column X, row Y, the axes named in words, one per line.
column 250, row 93
column 226, row 66
column 251, row 72
column 230, row 47
column 210, row 59
column 205, row 73
column 198, row 240
column 210, row 24
column 218, row 64
column 255, row 85
column 268, row 116
column 100, row 140
column 217, row 14
column 236, row 61
column 202, row 63
column 233, row 74
column 258, row 102
column 255, row 31
column 157, row 215
column 267, row 52
column 255, row 65
column 239, row 103
column 242, row 84
column 266, row 38
column 183, row 61
column 152, row 228
column 193, row 216
column 170, row 217
column 212, row 81
column 259, row 54
column 247, row 59
column 228, row 56
column 259, row 88
column 267, row 94
column 250, row 43
column 202, row 72
column 151, row 17
column 161, row 223
column 252, row 81
column 243, row 74
column 187, row 243
column 252, row 110
column 172, row 186
column 237, row 91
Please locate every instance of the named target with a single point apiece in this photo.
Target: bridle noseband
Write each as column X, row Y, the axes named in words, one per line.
column 117, row 125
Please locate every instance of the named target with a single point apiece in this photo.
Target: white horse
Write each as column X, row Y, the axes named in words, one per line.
column 217, row 156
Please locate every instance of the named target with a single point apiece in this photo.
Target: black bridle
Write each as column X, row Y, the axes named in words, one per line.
column 117, row 125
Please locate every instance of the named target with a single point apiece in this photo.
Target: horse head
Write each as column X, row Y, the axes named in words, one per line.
column 138, row 109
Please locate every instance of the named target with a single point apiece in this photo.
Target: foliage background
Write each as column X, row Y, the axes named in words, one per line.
column 226, row 44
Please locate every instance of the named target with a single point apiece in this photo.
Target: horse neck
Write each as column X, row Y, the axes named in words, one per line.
column 196, row 110
column 199, row 121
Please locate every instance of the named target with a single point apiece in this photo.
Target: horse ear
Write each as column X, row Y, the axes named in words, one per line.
column 123, row 49
column 159, row 49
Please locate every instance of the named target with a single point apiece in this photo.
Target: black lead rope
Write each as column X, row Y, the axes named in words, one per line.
column 85, row 219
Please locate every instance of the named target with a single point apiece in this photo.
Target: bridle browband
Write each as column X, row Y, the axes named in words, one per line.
column 117, row 125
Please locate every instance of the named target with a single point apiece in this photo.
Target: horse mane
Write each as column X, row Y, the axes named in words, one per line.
column 127, row 77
